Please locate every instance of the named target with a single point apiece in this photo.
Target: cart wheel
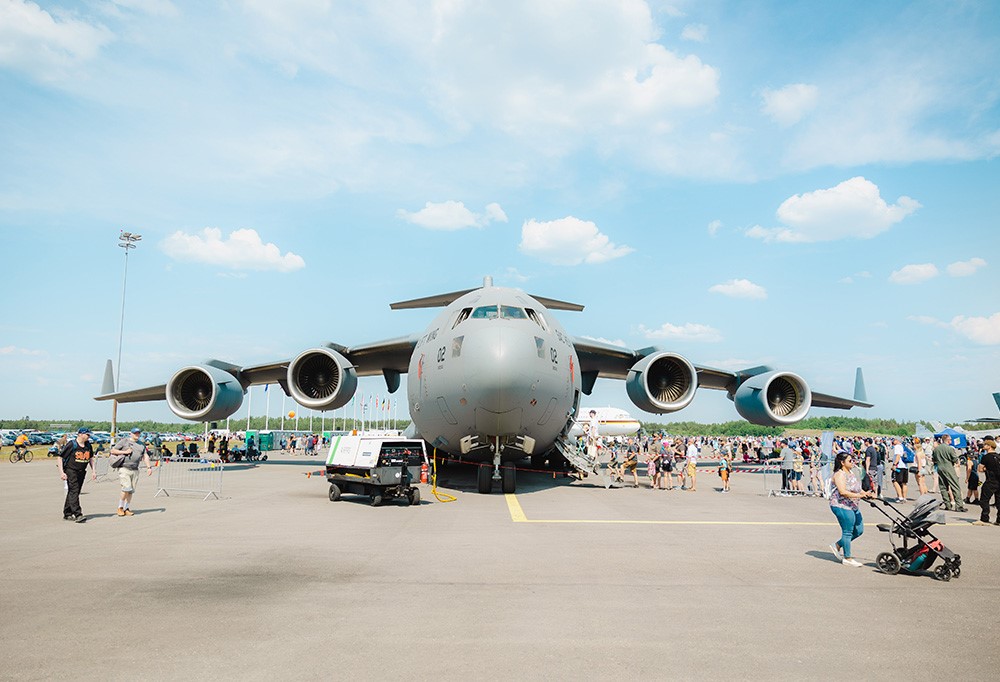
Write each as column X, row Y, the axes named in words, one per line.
column 415, row 496
column 943, row 573
column 376, row 499
column 334, row 492
column 888, row 563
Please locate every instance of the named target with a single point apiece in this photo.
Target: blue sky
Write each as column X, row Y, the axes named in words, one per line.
column 805, row 185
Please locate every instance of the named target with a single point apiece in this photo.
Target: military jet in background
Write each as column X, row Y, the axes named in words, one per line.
column 989, row 420
column 493, row 379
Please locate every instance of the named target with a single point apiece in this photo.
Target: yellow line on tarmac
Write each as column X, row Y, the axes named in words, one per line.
column 517, row 515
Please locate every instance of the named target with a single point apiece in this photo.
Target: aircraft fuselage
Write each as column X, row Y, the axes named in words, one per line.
column 496, row 366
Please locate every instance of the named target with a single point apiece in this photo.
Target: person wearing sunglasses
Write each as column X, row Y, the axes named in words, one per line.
column 844, row 495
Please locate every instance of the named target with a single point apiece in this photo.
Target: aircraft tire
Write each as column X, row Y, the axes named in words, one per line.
column 508, row 479
column 485, row 479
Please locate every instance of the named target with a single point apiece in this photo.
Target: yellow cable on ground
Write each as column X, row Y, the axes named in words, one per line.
column 441, row 497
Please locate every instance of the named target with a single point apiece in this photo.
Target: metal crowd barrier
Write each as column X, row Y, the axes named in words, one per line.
column 201, row 477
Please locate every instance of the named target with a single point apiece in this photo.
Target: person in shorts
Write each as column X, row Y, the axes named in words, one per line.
column 128, row 475
column 631, row 463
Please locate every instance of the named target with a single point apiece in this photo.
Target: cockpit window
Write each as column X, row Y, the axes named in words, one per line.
column 485, row 312
column 536, row 318
column 511, row 313
column 462, row 316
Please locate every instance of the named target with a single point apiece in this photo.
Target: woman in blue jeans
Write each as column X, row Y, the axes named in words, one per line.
column 844, row 496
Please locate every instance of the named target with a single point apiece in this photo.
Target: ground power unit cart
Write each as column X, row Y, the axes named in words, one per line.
column 381, row 467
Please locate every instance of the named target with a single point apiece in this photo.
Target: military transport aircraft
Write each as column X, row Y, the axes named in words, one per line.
column 494, row 378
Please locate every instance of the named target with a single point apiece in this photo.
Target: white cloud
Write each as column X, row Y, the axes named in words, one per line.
column 613, row 342
column 15, row 350
column 512, row 274
column 864, row 274
column 242, row 250
column 914, row 273
column 740, row 288
column 568, row 241
column 34, row 41
column 965, row 268
column 982, row 330
column 695, row 32
column 452, row 215
column 853, row 209
column 789, row 104
column 714, row 227
column 690, row 331
column 156, row 8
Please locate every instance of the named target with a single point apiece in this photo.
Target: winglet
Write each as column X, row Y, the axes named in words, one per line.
column 860, row 394
column 109, row 379
column 996, row 397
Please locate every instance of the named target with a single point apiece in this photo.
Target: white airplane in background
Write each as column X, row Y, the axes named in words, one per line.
column 612, row 421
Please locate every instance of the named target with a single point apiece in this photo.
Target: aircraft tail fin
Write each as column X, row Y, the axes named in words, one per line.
column 109, row 379
column 860, row 394
column 996, row 398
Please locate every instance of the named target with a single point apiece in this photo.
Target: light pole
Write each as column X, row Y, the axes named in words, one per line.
column 127, row 241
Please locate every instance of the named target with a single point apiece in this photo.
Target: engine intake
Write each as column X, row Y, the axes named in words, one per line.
column 203, row 393
column 773, row 399
column 322, row 379
column 662, row 382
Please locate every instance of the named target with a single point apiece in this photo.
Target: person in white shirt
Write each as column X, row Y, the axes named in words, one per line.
column 692, row 465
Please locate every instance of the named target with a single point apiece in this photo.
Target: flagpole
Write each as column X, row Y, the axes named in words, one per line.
column 249, row 400
column 267, row 407
column 282, row 411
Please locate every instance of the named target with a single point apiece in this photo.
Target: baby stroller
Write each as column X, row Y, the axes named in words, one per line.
column 920, row 548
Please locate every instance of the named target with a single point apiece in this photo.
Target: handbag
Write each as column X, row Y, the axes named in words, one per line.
column 117, row 461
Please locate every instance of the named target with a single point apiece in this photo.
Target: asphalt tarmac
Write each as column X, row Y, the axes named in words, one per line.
column 566, row 580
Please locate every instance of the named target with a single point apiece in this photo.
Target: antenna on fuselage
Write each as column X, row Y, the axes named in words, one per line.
column 487, row 281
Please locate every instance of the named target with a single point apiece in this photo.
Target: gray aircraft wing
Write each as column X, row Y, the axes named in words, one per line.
column 369, row 359
column 599, row 359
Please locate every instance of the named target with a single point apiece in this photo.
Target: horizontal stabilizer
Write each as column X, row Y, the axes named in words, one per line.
column 554, row 304
column 437, row 301
column 140, row 395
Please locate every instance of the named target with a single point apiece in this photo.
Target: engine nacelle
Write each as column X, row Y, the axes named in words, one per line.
column 662, row 382
column 773, row 399
column 322, row 379
column 204, row 393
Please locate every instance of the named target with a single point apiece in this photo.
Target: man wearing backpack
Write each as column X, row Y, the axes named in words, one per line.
column 945, row 458
column 900, row 472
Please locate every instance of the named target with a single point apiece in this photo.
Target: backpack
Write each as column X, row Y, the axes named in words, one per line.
column 907, row 454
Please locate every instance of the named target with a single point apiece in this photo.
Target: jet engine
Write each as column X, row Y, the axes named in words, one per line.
column 204, row 393
column 773, row 399
column 662, row 382
column 321, row 379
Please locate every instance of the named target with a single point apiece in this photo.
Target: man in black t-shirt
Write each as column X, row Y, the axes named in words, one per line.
column 74, row 458
column 990, row 465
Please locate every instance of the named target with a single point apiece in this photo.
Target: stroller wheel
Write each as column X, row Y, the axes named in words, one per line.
column 888, row 563
column 943, row 573
column 956, row 571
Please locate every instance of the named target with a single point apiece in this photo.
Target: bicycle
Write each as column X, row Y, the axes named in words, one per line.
column 20, row 454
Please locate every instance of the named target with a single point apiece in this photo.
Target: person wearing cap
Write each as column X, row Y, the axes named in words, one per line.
column 989, row 465
column 946, row 459
column 74, row 458
column 128, row 475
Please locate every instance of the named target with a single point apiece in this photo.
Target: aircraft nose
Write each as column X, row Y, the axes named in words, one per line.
column 500, row 362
